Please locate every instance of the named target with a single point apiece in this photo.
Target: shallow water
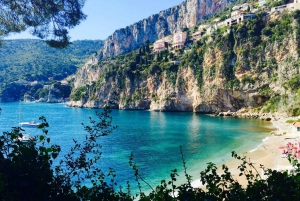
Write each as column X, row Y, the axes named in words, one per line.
column 153, row 137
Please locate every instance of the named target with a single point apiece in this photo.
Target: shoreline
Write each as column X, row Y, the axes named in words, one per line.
column 266, row 153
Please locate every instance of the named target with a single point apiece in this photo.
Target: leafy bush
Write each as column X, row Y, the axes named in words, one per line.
column 276, row 30
column 272, row 104
column 266, row 91
column 42, row 93
column 234, row 83
column 273, row 3
column 79, row 93
column 295, row 111
column 247, row 79
column 228, row 56
column 294, row 82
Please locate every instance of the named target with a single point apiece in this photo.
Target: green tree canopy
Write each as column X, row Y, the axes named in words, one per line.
column 46, row 19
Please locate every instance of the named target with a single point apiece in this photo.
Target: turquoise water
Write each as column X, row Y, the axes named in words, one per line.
column 153, row 137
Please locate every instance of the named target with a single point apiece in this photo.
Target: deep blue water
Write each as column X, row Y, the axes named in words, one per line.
column 153, row 137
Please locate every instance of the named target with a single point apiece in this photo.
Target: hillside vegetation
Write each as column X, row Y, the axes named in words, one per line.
column 252, row 64
column 35, row 60
column 25, row 61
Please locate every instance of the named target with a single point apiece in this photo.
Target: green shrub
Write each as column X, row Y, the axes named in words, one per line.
column 79, row 93
column 295, row 111
column 272, row 104
column 289, row 121
column 294, row 82
column 247, row 79
column 276, row 30
column 232, row 83
column 266, row 91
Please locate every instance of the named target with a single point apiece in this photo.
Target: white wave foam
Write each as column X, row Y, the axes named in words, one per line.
column 266, row 139
column 263, row 140
column 255, row 148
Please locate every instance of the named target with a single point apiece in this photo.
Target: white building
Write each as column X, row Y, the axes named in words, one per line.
column 237, row 17
column 289, row 6
column 160, row 45
column 294, row 6
column 197, row 34
column 244, row 7
column 179, row 39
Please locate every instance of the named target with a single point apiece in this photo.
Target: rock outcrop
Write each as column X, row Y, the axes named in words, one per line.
column 157, row 26
column 218, row 73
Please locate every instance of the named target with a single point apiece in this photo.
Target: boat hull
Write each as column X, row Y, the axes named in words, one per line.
column 29, row 124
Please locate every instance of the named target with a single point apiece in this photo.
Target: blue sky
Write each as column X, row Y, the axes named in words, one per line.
column 104, row 17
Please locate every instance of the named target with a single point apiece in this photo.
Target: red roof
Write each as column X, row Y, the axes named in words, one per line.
column 296, row 124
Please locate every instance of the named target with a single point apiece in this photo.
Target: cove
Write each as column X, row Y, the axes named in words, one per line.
column 153, row 137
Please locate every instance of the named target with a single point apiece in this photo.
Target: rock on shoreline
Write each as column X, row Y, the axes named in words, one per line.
column 248, row 115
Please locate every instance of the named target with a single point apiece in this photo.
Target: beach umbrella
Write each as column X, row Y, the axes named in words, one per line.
column 281, row 147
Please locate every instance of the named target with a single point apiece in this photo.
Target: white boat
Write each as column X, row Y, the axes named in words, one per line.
column 30, row 124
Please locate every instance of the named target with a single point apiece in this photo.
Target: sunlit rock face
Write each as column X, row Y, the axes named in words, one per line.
column 185, row 15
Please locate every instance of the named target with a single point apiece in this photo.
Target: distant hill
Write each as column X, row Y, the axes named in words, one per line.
column 31, row 59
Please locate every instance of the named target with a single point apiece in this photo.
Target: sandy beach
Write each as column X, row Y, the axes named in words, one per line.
column 267, row 153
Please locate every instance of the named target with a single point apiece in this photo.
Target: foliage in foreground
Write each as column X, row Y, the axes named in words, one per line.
column 28, row 171
column 45, row 19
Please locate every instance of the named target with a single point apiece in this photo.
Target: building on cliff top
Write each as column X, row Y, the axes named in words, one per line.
column 290, row 6
column 160, row 45
column 197, row 34
column 244, row 6
column 179, row 40
column 241, row 18
column 237, row 17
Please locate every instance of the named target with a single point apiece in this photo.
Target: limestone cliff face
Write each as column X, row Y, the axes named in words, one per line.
column 185, row 15
column 217, row 73
column 157, row 93
column 157, row 26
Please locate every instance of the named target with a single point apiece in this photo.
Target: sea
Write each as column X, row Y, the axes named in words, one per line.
column 154, row 138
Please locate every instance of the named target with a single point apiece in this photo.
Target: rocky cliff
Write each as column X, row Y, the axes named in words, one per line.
column 254, row 65
column 185, row 15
